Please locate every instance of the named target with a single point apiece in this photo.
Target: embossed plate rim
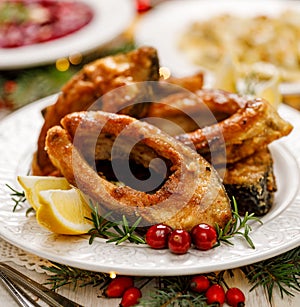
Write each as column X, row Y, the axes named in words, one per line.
column 279, row 233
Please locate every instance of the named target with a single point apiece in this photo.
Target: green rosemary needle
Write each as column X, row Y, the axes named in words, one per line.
column 116, row 232
column 236, row 226
column 17, row 197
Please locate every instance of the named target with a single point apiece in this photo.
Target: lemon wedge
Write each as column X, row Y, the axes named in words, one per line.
column 226, row 74
column 64, row 212
column 32, row 185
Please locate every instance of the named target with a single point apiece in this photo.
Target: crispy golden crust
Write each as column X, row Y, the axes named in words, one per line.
column 191, row 193
column 244, row 126
column 93, row 81
column 219, row 102
column 251, row 128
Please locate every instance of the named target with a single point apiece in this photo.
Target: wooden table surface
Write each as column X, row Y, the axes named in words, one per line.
column 91, row 296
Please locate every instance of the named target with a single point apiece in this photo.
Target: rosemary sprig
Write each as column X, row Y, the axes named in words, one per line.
column 127, row 232
column 63, row 275
column 101, row 225
column 282, row 271
column 17, row 197
column 237, row 226
column 117, row 232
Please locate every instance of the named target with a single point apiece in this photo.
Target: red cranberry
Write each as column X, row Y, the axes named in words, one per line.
column 215, row 295
column 204, row 236
column 118, row 286
column 235, row 297
column 179, row 241
column 199, row 283
column 157, row 236
column 131, row 297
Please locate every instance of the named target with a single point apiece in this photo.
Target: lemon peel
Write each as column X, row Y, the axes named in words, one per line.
column 64, row 212
column 32, row 185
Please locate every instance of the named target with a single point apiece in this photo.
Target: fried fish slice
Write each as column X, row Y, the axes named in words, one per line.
column 251, row 128
column 219, row 102
column 92, row 82
column 245, row 125
column 252, row 182
column 188, row 191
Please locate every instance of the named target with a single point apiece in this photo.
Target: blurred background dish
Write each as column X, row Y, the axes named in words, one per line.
column 26, row 22
column 197, row 35
column 110, row 19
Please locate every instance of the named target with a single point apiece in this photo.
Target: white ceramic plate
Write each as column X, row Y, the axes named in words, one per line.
column 111, row 18
column 163, row 25
column 279, row 233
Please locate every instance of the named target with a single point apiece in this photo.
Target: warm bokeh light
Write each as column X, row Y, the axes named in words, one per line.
column 164, row 72
column 75, row 58
column 112, row 275
column 62, row 64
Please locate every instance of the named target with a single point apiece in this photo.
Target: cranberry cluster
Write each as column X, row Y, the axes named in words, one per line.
column 179, row 241
column 215, row 293
column 123, row 286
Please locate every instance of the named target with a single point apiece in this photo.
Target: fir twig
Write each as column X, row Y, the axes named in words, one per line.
column 174, row 291
column 168, row 298
column 282, row 271
column 64, row 275
column 237, row 226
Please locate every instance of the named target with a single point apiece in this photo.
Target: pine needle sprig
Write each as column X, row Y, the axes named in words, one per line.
column 178, row 283
column 282, row 271
column 174, row 291
column 237, row 225
column 64, row 275
column 170, row 297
